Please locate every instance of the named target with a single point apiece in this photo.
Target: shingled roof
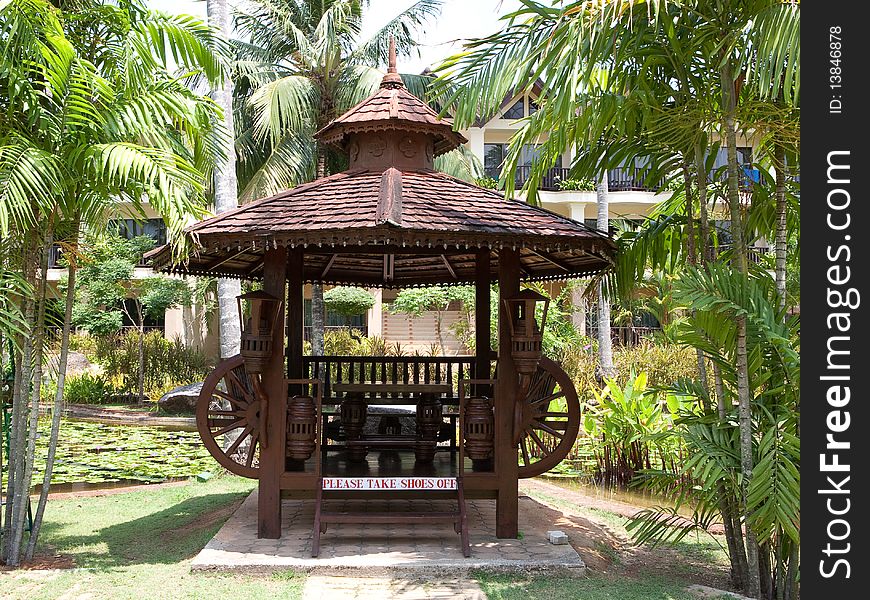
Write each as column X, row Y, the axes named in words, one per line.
column 392, row 107
column 391, row 220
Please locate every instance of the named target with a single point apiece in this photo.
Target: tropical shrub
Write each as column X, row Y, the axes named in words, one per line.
column 88, row 389
column 626, row 424
column 166, row 361
column 489, row 183
column 348, row 301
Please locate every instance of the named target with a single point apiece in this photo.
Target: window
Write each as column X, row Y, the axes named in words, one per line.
column 131, row 309
column 153, row 228
column 517, row 111
column 533, row 106
column 493, row 158
column 334, row 321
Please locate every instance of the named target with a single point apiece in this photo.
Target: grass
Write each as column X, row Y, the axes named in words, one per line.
column 503, row 587
column 139, row 545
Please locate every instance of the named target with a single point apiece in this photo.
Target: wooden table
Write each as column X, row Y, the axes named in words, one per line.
column 354, row 410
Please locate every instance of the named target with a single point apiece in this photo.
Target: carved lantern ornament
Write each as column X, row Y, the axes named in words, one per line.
column 256, row 346
column 301, row 427
column 526, row 333
column 479, row 427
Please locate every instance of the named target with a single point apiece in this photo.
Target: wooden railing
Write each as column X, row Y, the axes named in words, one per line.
column 394, row 369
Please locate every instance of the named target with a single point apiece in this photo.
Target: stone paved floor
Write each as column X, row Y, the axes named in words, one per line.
column 377, row 548
column 326, row 587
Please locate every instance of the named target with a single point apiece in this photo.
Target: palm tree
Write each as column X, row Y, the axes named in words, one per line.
column 95, row 125
column 301, row 64
column 226, row 188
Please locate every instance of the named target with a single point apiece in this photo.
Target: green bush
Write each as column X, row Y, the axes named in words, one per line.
column 348, row 301
column 85, row 344
column 168, row 363
column 576, row 185
column 489, row 183
column 88, row 389
column 663, row 363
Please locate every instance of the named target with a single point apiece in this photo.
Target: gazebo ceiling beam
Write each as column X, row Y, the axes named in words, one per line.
column 552, row 260
column 223, row 260
column 449, row 267
column 328, row 266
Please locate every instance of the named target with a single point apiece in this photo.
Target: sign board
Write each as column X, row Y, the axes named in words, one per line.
column 389, row 483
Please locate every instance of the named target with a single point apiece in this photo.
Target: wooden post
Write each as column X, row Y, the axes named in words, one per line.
column 272, row 457
column 295, row 284
column 507, row 506
column 482, row 337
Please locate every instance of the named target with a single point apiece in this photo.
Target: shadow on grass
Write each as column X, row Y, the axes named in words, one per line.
column 168, row 536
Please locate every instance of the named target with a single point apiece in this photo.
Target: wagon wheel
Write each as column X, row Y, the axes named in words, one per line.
column 228, row 418
column 546, row 419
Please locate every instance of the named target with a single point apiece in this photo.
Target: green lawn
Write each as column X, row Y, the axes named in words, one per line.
column 139, row 545
column 542, row 587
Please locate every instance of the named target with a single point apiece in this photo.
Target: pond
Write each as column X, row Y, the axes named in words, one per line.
column 97, row 455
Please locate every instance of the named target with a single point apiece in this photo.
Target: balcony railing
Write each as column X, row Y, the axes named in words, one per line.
column 549, row 183
column 630, row 179
column 755, row 254
column 623, row 335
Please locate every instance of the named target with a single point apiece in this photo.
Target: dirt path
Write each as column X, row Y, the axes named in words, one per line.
column 607, row 549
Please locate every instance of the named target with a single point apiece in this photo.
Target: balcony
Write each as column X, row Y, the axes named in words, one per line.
column 631, row 179
column 549, row 183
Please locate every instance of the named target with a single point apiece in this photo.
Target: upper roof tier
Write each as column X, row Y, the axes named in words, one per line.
column 391, row 109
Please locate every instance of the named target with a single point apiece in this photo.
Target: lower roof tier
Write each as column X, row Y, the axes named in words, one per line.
column 390, row 228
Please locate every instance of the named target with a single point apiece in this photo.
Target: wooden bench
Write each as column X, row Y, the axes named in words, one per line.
column 363, row 485
column 354, row 411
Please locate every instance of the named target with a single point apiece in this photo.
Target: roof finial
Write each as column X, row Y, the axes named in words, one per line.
column 391, row 68
column 392, row 79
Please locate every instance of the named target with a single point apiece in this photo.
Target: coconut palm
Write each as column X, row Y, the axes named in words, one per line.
column 91, row 126
column 301, row 64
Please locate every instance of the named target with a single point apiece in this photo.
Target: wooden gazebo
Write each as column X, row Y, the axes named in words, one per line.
column 390, row 220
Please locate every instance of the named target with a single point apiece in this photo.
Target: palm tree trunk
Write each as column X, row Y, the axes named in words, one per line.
column 318, row 313
column 605, row 349
column 22, row 491
column 729, row 105
column 691, row 250
column 57, row 408
column 226, row 189
column 140, row 343
column 781, row 223
column 18, row 423
column 701, row 178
